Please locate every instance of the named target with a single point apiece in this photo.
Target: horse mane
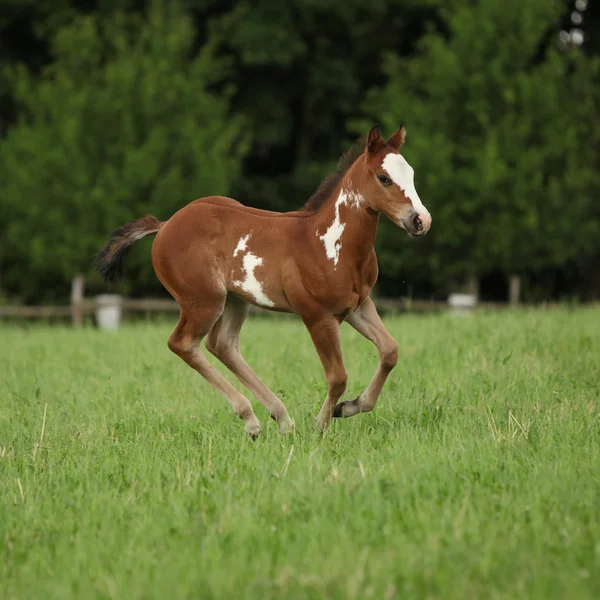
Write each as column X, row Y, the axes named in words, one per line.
column 330, row 182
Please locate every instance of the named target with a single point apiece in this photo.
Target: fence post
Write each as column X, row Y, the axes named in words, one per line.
column 77, row 286
column 514, row 289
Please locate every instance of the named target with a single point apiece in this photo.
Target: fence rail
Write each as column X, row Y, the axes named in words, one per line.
column 89, row 306
column 159, row 305
column 81, row 306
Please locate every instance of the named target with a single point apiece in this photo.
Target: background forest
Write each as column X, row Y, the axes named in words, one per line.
column 110, row 110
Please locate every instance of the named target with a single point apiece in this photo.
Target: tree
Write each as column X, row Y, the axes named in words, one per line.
column 550, row 180
column 302, row 69
column 124, row 122
column 495, row 140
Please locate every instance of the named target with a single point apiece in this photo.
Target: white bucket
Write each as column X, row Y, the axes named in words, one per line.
column 462, row 303
column 109, row 309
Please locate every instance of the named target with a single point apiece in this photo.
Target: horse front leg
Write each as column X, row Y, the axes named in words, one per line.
column 367, row 322
column 325, row 334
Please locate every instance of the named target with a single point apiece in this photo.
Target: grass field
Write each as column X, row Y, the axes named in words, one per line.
column 477, row 476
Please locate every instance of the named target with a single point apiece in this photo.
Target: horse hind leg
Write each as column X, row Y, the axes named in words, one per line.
column 223, row 342
column 185, row 340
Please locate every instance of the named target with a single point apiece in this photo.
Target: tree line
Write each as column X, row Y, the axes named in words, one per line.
column 114, row 109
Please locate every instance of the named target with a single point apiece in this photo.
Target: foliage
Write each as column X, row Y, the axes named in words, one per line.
column 499, row 139
column 112, row 109
column 122, row 123
column 304, row 67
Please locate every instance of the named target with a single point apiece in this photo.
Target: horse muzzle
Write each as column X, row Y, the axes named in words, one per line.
column 417, row 224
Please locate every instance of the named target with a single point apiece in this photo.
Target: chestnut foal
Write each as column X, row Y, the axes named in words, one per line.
column 215, row 256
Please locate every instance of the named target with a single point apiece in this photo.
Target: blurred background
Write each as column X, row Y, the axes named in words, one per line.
column 112, row 109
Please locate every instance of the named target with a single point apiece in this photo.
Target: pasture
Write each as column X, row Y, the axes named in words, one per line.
column 124, row 475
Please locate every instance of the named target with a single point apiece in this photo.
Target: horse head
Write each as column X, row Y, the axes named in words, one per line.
column 388, row 183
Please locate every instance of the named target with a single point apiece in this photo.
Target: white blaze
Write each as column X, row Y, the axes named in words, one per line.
column 403, row 175
column 332, row 238
column 251, row 284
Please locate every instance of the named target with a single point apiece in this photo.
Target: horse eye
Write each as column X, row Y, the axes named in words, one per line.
column 384, row 179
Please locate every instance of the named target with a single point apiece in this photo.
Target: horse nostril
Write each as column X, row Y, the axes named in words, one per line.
column 418, row 223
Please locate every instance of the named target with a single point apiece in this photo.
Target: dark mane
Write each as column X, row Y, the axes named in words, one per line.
column 330, row 182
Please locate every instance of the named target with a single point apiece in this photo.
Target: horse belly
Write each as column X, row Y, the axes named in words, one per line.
column 254, row 291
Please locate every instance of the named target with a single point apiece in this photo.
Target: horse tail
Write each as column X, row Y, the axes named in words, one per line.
column 110, row 261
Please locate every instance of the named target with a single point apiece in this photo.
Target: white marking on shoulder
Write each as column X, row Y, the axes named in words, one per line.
column 251, row 284
column 242, row 244
column 332, row 238
column 403, row 175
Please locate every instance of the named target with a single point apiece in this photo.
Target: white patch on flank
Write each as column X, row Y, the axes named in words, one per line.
column 332, row 237
column 242, row 244
column 403, row 175
column 251, row 284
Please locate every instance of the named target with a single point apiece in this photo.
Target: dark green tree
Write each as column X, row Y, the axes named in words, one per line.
column 303, row 68
column 498, row 136
column 124, row 122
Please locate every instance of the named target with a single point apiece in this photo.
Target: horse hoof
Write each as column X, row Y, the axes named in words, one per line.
column 338, row 410
column 286, row 426
column 351, row 407
column 320, row 426
column 253, row 429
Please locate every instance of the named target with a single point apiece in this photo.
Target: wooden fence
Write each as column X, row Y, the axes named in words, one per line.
column 87, row 306
column 80, row 306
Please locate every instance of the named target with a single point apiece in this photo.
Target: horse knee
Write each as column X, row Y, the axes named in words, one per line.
column 389, row 355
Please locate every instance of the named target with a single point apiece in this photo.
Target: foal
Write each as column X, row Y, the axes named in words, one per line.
column 215, row 256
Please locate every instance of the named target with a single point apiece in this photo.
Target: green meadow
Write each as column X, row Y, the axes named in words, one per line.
column 123, row 475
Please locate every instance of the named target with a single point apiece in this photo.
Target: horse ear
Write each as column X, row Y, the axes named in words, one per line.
column 397, row 140
column 374, row 139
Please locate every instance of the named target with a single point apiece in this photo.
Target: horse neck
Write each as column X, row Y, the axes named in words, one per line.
column 346, row 221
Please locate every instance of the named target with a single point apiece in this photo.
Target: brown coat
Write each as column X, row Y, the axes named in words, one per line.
column 216, row 255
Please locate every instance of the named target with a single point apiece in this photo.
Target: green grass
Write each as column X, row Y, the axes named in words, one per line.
column 477, row 475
